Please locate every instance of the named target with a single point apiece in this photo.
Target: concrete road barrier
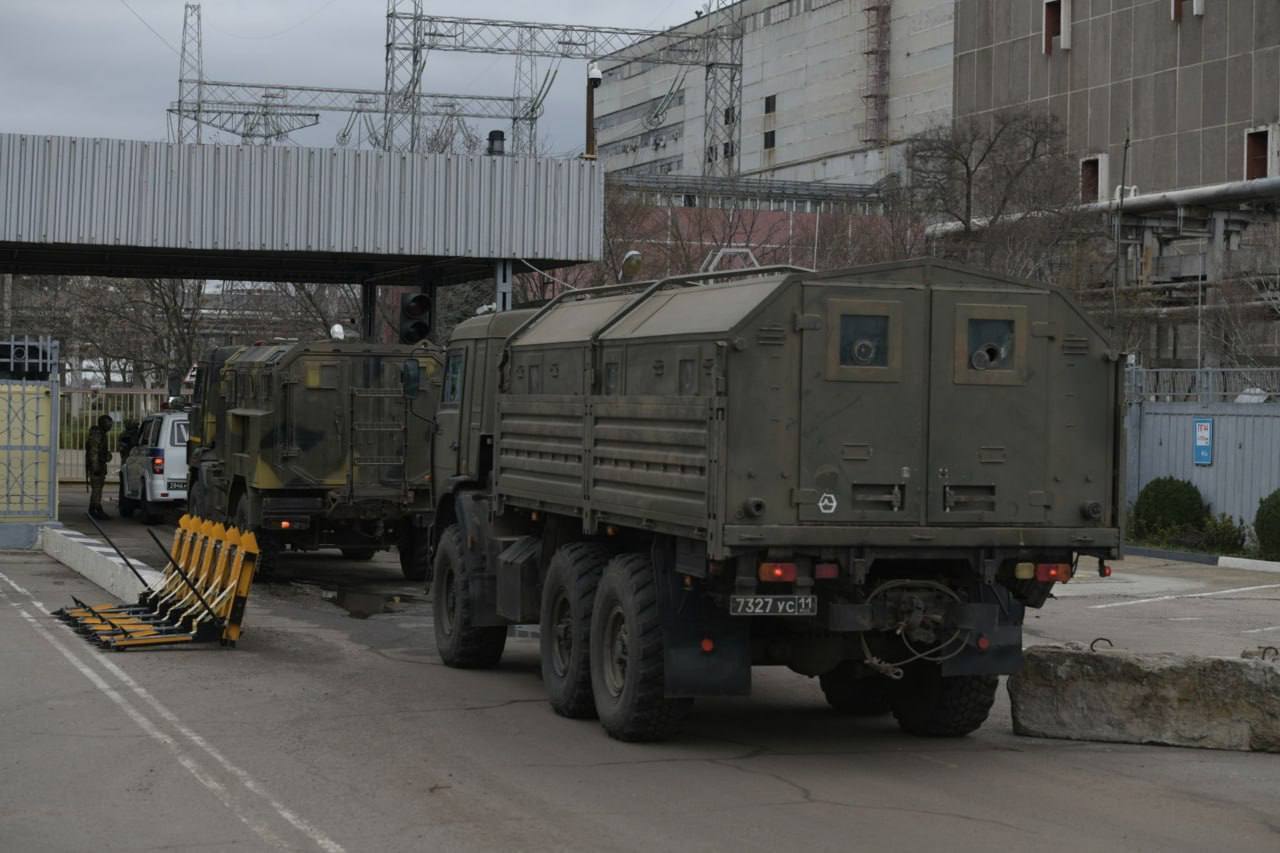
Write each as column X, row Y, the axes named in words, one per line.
column 1124, row 697
column 97, row 561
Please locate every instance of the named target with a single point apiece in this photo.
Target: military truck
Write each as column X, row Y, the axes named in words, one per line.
column 315, row 445
column 866, row 476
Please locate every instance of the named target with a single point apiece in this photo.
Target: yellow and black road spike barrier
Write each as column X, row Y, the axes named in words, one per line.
column 201, row 598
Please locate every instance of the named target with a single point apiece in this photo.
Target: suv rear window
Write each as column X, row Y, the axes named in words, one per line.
column 178, row 438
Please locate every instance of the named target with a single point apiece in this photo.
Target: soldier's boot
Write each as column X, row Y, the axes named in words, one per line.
column 99, row 513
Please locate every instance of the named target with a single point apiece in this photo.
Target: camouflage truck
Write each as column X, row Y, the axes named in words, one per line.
column 866, row 476
column 315, row 445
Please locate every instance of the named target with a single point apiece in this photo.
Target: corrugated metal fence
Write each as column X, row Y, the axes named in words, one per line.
column 1243, row 451
column 113, row 192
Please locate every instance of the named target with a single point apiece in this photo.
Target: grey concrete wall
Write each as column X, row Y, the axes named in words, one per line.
column 809, row 55
column 1185, row 91
column 1246, row 452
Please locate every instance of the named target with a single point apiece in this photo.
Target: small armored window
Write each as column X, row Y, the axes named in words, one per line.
column 991, row 344
column 611, row 377
column 451, row 393
column 535, row 379
column 864, row 340
column 688, row 377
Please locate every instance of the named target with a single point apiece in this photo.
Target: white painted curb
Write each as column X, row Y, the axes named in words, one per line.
column 1249, row 565
column 97, row 562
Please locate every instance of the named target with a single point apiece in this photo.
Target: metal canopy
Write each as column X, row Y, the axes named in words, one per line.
column 83, row 206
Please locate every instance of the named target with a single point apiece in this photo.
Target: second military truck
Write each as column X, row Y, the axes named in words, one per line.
column 324, row 444
column 865, row 476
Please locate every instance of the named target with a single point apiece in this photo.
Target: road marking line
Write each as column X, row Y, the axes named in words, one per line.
column 1262, row 630
column 321, row 840
column 190, row 764
column 1187, row 595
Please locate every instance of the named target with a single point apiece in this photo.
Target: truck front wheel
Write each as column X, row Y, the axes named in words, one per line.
column 927, row 704
column 568, row 594
column 459, row 643
column 628, row 676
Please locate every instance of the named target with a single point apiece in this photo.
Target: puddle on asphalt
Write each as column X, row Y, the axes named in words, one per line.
column 362, row 605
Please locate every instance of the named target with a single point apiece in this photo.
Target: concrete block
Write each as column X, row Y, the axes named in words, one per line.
column 97, row 562
column 1071, row 693
column 20, row 535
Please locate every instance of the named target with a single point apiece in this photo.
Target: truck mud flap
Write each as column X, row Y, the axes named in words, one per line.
column 691, row 622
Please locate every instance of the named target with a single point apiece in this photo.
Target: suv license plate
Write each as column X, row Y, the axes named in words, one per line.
column 773, row 605
column 177, row 485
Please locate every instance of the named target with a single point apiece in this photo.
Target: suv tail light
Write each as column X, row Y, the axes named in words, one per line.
column 157, row 462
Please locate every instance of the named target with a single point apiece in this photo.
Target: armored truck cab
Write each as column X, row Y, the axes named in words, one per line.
column 864, row 475
column 321, row 444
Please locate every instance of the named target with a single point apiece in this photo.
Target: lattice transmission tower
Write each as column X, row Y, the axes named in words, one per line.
column 190, row 76
column 722, row 102
column 406, row 58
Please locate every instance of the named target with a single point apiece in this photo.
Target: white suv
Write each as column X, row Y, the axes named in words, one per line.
column 154, row 475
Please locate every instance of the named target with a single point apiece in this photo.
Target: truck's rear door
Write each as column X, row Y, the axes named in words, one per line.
column 862, row 403
column 988, row 406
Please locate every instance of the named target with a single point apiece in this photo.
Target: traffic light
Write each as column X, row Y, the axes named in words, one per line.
column 415, row 317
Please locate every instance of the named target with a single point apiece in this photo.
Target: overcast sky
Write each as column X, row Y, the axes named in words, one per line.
column 92, row 68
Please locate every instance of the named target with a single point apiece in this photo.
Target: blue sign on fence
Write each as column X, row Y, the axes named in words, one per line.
column 1202, row 447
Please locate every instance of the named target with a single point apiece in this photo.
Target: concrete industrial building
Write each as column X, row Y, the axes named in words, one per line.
column 827, row 86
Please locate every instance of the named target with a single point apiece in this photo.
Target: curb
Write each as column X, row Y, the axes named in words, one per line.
column 1243, row 563
column 96, row 561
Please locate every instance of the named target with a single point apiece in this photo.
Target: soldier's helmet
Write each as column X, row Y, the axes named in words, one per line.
column 105, row 423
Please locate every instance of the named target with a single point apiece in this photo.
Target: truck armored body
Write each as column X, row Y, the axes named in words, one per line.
column 314, row 445
column 865, row 476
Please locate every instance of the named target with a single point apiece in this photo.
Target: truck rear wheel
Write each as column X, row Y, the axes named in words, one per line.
column 850, row 691
column 269, row 551
column 927, row 704
column 415, row 554
column 568, row 594
column 127, row 504
column 628, row 677
column 459, row 643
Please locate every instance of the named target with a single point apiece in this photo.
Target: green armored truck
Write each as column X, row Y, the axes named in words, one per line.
column 315, row 445
column 866, row 476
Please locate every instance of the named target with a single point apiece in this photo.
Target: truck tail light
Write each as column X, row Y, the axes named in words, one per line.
column 1053, row 572
column 826, row 571
column 778, row 572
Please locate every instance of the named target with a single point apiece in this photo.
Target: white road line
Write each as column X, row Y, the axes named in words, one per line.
column 190, row 764
column 1261, row 630
column 321, row 840
column 1187, row 595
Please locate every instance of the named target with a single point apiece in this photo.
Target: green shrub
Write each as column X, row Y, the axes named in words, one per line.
column 1224, row 535
column 1266, row 526
column 1166, row 506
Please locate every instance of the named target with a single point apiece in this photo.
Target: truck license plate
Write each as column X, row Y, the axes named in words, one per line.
column 773, row 605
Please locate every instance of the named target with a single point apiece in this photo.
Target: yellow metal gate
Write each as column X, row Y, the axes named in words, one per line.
column 28, row 431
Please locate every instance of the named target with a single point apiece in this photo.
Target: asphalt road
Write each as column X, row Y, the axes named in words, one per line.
column 323, row 731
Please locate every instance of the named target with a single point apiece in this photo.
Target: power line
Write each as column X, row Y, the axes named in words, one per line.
column 304, row 19
column 153, row 30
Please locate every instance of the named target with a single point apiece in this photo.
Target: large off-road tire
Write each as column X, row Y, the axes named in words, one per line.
column 627, row 666
column 568, row 595
column 415, row 554
column 126, row 504
column 360, row 554
column 459, row 643
column 196, row 500
column 268, row 552
column 927, row 704
column 849, row 690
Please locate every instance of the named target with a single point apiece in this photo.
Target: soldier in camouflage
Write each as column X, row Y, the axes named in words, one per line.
column 96, row 456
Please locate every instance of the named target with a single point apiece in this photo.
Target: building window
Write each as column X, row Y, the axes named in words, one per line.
column 1175, row 8
column 1053, row 25
column 728, row 151
column 770, row 139
column 1090, row 179
column 1255, row 154
column 729, row 117
column 770, row 104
